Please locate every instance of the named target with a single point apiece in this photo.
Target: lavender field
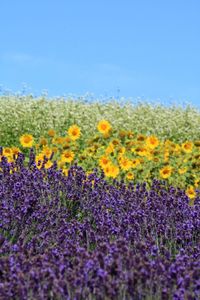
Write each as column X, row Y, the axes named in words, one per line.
column 73, row 228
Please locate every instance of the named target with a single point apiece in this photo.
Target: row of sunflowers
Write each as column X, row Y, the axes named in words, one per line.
column 119, row 154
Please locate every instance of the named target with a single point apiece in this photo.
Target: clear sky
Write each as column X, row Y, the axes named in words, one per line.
column 133, row 48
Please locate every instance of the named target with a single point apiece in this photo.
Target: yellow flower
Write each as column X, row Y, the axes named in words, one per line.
column 61, row 164
column 48, row 164
column 65, row 171
column 111, row 171
column 141, row 138
column 59, row 140
column 166, row 172
column 156, row 159
column 104, row 127
column 142, row 151
column 51, row 132
column 125, row 163
column 15, row 150
column 37, row 146
column 54, row 149
column 177, row 149
column 187, row 147
column 47, row 152
column 115, row 142
column 74, row 132
column 122, row 150
column 43, row 141
column 122, row 134
column 103, row 161
column 182, row 171
column 26, row 140
column 7, row 152
column 197, row 182
column 114, row 171
column 135, row 162
column 166, row 156
column 39, row 160
column 88, row 173
column 152, row 142
column 67, row 156
column 190, row 192
column 110, row 148
column 130, row 176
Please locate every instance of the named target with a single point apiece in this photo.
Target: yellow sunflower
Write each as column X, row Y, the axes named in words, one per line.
column 7, row 152
column 65, row 171
column 142, row 151
column 67, row 156
column 135, row 162
column 46, row 151
column 187, row 147
column 190, row 192
column 26, row 140
column 51, row 132
column 48, row 164
column 104, row 127
column 104, row 161
column 43, row 141
column 166, row 172
column 182, row 171
column 110, row 149
column 197, row 182
column 125, row 163
column 74, row 132
column 130, row 176
column 111, row 170
column 15, row 150
column 152, row 142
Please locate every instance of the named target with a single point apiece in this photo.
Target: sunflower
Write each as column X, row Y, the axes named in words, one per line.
column 67, row 156
column 110, row 149
column 15, row 150
column 48, row 164
column 130, row 176
column 111, row 171
column 152, row 142
column 166, row 172
column 59, row 140
column 125, row 163
column 65, row 171
column 190, row 192
column 177, row 149
column 26, row 140
column 61, row 164
column 122, row 150
column 104, row 127
column 142, row 151
column 115, row 142
column 51, row 132
column 46, row 151
column 135, row 162
column 74, row 132
column 103, row 161
column 43, row 141
column 7, row 152
column 182, row 171
column 197, row 182
column 166, row 155
column 187, row 147
column 141, row 138
column 39, row 160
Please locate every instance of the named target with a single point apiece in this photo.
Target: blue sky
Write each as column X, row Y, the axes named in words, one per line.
column 144, row 49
